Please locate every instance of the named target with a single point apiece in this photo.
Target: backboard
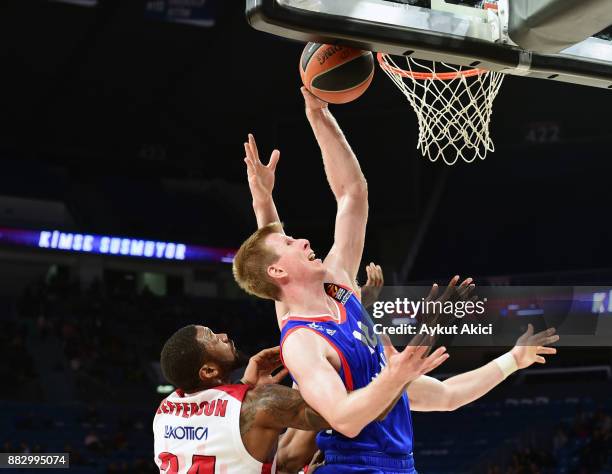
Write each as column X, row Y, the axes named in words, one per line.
column 562, row 40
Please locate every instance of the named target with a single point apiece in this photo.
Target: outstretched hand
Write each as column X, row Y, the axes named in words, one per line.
column 312, row 102
column 261, row 177
column 452, row 292
column 463, row 292
column 375, row 276
column 531, row 348
column 373, row 286
column 260, row 368
column 413, row 361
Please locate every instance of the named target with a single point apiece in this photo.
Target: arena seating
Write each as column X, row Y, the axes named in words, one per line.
column 94, row 393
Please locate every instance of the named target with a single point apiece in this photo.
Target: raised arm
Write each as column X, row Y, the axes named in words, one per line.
column 429, row 394
column 347, row 184
column 261, row 183
column 279, row 407
column 309, row 359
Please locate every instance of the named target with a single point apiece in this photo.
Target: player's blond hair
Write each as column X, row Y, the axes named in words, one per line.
column 251, row 264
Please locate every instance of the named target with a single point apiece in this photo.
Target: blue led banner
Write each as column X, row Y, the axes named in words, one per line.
column 113, row 245
column 191, row 12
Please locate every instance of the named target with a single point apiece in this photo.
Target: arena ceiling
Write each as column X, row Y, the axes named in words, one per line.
column 107, row 84
column 105, row 90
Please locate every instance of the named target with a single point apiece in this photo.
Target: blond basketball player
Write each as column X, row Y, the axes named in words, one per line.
column 327, row 339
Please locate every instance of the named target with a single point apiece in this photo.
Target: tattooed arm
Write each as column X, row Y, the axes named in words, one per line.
column 279, row 407
column 267, row 411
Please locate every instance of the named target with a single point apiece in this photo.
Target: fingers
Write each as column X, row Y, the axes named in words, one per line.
column 420, row 340
column 312, row 101
column 252, row 155
column 307, row 94
column 540, row 360
column 414, row 352
column 274, row 159
column 543, row 334
column 437, row 358
column 388, row 346
column 436, row 363
column 453, row 281
column 249, row 153
column 386, row 340
column 408, row 352
column 250, row 167
column 450, row 289
column 370, row 280
column 249, row 157
column 415, row 355
column 373, row 274
column 545, row 338
column 267, row 356
column 550, row 340
column 465, row 289
column 453, row 291
column 433, row 292
column 280, row 376
column 546, row 350
column 440, row 351
column 377, row 274
column 270, row 351
column 429, row 342
column 422, row 350
column 250, row 164
column 253, row 148
column 270, row 363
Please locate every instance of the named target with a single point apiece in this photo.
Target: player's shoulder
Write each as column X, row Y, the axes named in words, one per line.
column 305, row 350
column 303, row 338
column 341, row 278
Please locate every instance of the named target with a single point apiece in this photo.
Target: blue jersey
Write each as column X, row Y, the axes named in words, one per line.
column 351, row 334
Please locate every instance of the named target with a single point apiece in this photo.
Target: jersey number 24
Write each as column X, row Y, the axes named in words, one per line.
column 199, row 464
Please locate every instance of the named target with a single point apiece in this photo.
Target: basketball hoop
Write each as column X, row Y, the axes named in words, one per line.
column 453, row 106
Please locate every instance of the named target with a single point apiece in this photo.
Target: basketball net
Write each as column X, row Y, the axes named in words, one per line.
column 453, row 106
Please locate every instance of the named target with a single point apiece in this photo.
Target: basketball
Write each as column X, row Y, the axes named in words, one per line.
column 334, row 73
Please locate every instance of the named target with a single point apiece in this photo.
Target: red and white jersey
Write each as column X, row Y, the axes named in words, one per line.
column 199, row 433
